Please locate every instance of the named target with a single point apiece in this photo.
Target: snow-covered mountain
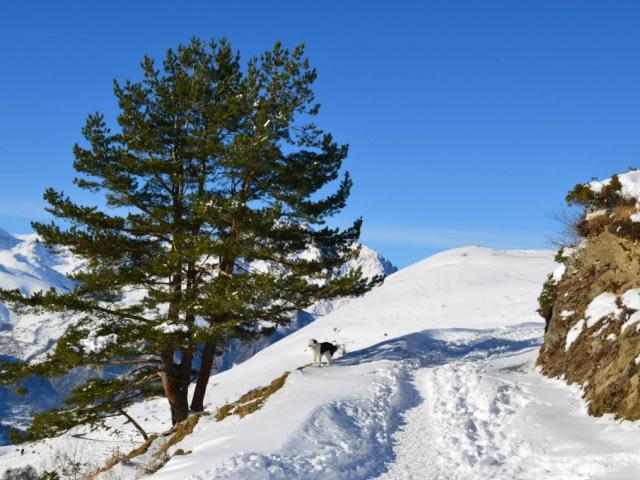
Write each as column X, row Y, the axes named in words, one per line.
column 438, row 382
column 26, row 264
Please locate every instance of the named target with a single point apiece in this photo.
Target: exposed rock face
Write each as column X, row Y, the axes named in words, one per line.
column 592, row 337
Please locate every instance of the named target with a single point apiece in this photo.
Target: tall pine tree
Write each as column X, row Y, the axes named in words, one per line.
column 214, row 165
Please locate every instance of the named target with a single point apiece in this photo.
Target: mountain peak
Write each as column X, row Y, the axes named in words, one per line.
column 7, row 240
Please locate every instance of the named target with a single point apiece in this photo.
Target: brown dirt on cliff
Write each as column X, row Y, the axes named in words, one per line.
column 605, row 366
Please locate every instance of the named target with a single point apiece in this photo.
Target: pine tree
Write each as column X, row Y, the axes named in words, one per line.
column 212, row 167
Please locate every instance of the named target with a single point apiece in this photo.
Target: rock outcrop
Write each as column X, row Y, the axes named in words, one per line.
column 592, row 302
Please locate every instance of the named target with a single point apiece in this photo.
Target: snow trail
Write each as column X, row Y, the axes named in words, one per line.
column 492, row 416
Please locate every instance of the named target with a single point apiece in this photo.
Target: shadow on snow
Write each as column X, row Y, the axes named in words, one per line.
column 367, row 425
column 433, row 348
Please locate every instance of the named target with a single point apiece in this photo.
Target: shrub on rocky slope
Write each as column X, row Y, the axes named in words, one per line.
column 592, row 301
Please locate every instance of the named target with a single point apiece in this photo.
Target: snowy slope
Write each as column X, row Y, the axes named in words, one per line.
column 383, row 331
column 438, row 383
column 26, row 264
column 468, row 387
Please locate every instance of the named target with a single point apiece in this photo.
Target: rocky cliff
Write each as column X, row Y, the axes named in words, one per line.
column 592, row 301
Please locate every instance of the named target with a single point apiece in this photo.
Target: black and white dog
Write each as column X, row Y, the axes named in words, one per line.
column 325, row 349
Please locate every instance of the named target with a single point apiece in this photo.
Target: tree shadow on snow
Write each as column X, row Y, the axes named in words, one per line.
column 426, row 348
column 438, row 347
column 353, row 439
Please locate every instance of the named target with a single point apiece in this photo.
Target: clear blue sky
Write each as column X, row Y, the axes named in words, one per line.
column 468, row 121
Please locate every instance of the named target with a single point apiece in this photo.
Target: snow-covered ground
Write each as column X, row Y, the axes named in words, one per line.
column 438, row 383
column 489, row 415
column 26, row 264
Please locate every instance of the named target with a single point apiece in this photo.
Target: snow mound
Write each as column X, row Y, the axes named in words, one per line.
column 630, row 182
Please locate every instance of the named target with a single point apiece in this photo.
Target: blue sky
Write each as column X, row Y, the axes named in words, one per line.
column 468, row 121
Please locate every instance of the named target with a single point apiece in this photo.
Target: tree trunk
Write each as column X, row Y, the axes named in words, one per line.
column 206, row 364
column 175, row 388
column 177, row 398
column 208, row 353
column 180, row 409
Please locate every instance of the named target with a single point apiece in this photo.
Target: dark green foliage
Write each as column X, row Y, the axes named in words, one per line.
column 618, row 210
column 546, row 298
column 49, row 476
column 608, row 197
column 213, row 165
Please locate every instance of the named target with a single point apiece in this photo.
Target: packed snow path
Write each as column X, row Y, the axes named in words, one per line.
column 491, row 416
column 435, row 405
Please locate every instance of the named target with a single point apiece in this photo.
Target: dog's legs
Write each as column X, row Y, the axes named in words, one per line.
column 328, row 355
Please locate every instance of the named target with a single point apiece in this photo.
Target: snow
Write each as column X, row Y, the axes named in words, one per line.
column 201, row 323
column 559, row 272
column 7, row 240
column 595, row 213
column 635, row 217
column 493, row 417
column 168, row 328
column 604, row 305
column 566, row 314
column 339, row 419
column 95, row 344
column 438, row 382
column 596, row 186
column 631, row 299
column 573, row 333
column 633, row 319
column 629, row 181
column 27, row 265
